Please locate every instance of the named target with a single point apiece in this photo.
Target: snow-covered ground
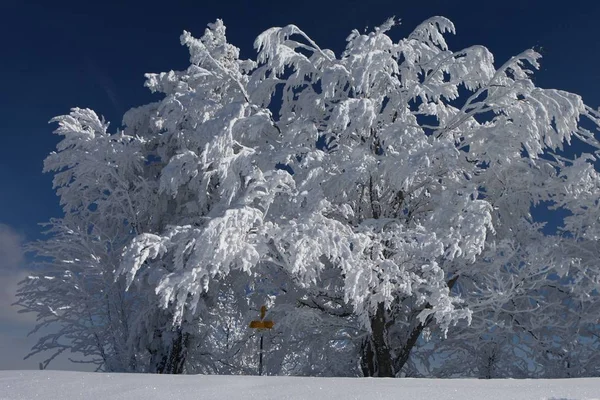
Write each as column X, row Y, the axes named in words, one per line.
column 62, row 385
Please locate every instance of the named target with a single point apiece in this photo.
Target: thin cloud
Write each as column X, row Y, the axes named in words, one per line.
column 12, row 271
column 106, row 83
column 11, row 250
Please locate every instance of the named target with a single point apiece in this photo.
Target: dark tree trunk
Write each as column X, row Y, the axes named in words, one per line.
column 377, row 358
column 178, row 354
column 171, row 359
column 367, row 358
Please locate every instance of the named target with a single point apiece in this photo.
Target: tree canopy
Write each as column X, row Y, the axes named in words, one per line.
column 379, row 201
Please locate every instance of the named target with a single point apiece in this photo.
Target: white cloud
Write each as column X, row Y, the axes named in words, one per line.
column 14, row 343
column 12, row 271
column 11, row 251
column 14, row 326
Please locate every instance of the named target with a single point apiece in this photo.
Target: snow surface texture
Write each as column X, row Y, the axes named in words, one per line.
column 49, row 385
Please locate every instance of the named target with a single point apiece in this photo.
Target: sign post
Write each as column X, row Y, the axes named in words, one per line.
column 261, row 325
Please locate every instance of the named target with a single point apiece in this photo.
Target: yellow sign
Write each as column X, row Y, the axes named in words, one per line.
column 262, row 324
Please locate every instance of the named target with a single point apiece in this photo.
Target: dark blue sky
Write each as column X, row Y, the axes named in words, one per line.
column 61, row 54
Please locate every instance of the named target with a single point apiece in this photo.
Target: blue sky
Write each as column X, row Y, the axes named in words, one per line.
column 62, row 54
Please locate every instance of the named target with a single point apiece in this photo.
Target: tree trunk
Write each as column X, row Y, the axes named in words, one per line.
column 171, row 359
column 178, row 354
column 376, row 360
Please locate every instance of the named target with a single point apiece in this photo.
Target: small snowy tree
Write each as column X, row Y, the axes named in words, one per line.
column 370, row 198
column 97, row 180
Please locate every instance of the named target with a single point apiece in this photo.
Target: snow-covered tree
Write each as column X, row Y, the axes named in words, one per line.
column 426, row 221
column 96, row 177
column 374, row 199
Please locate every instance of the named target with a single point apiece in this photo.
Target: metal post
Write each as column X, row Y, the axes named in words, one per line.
column 261, row 325
column 260, row 356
